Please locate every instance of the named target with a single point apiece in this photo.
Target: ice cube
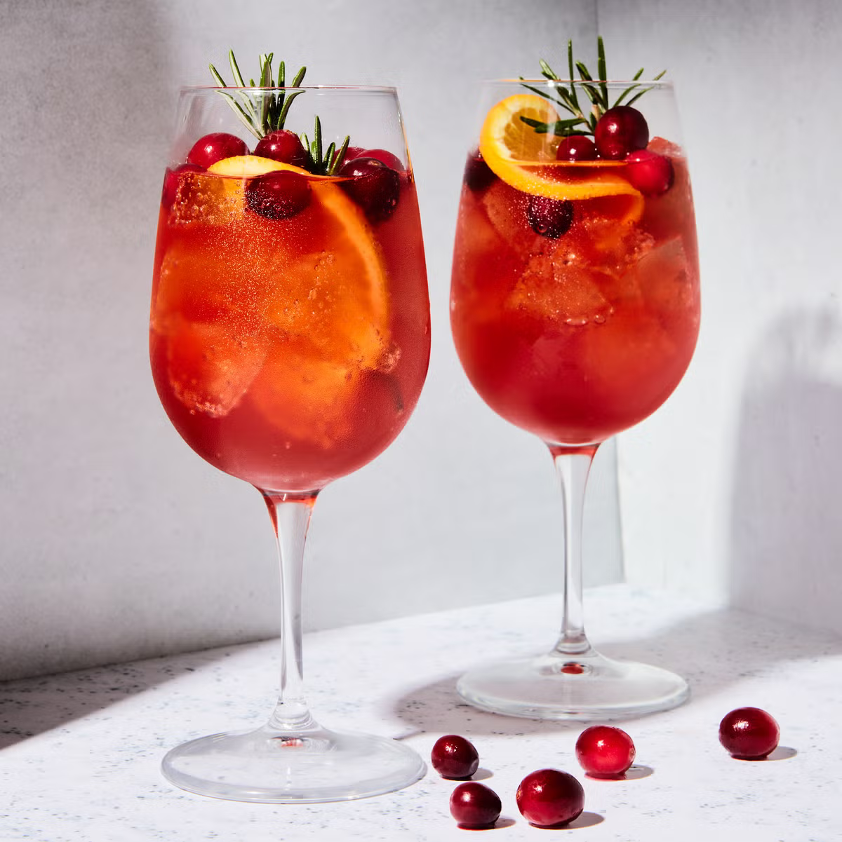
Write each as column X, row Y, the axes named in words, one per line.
column 212, row 365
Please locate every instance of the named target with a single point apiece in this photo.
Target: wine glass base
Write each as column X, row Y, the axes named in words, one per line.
column 265, row 766
column 585, row 687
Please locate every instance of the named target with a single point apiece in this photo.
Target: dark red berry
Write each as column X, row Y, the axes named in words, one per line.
column 576, row 147
column 278, row 195
column 620, row 130
column 382, row 155
column 549, row 798
column 549, row 217
column 605, row 752
column 373, row 186
column 214, row 147
column 284, row 146
column 475, row 806
column 478, row 175
column 173, row 179
column 352, row 152
column 749, row 733
column 454, row 757
column 385, row 157
column 649, row 172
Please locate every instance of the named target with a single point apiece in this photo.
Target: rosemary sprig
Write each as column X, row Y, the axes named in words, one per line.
column 267, row 112
column 329, row 162
column 596, row 90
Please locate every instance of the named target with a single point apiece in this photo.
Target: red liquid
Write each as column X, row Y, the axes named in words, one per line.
column 287, row 352
column 580, row 337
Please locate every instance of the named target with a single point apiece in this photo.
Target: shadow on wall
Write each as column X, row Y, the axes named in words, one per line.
column 786, row 532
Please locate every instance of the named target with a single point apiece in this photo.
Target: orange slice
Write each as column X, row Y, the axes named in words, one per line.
column 313, row 286
column 525, row 159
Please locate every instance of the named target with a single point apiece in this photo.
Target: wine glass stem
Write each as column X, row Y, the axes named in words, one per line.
column 290, row 513
column 573, row 464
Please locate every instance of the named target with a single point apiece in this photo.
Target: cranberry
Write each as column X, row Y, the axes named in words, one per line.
column 475, row 806
column 454, row 757
column 478, row 175
column 214, row 147
column 382, row 155
column 549, row 217
column 749, row 733
column 605, row 752
column 278, row 195
column 576, row 147
column 385, row 157
column 374, row 186
column 283, row 146
column 649, row 172
column 172, row 180
column 620, row 130
column 350, row 153
column 549, row 798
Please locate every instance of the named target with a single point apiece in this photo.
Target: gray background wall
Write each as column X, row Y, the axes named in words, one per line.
column 117, row 542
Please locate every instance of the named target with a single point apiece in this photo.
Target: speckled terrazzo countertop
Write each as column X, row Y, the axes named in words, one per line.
column 79, row 752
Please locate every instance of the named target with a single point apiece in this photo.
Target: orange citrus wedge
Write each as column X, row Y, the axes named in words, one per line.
column 525, row 159
column 314, row 286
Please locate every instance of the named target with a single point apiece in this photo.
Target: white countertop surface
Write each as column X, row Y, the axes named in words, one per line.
column 80, row 752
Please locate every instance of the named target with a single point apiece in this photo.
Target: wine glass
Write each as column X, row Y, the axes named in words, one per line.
column 575, row 313
column 289, row 341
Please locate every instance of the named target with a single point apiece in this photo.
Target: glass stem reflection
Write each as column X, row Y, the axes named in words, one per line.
column 290, row 513
column 573, row 464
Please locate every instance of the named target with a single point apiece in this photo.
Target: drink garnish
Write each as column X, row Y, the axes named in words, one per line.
column 596, row 89
column 267, row 113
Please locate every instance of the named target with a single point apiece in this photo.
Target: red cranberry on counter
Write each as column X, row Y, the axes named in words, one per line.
column 475, row 806
column 454, row 757
column 749, row 733
column 550, row 798
column 605, row 752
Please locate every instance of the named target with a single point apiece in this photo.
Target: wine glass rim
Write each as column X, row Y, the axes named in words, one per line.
column 551, row 83
column 385, row 89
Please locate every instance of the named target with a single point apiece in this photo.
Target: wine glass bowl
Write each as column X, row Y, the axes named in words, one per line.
column 289, row 342
column 575, row 313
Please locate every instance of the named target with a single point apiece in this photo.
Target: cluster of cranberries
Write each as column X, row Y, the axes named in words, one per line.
column 552, row 798
column 621, row 134
column 371, row 177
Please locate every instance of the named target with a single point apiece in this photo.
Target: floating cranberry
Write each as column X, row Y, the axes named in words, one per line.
column 172, row 181
column 385, row 157
column 576, row 147
column 649, row 172
column 374, row 186
column 749, row 733
column 478, row 175
column 278, row 195
column 351, row 153
column 549, row 798
column 620, row 130
column 475, row 806
column 454, row 757
column 283, row 146
column 214, row 147
column 549, row 217
column 605, row 752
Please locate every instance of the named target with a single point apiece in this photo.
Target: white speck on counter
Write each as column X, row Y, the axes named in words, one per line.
column 80, row 752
